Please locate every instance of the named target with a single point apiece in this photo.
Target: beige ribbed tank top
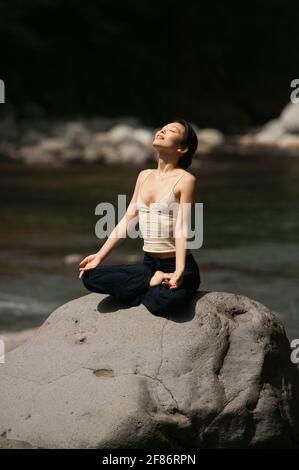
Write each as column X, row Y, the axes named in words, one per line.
column 157, row 221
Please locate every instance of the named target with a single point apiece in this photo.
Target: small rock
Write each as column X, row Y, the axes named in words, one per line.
column 208, row 139
column 270, row 132
column 290, row 117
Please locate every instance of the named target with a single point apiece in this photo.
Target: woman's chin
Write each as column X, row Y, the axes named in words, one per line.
column 157, row 143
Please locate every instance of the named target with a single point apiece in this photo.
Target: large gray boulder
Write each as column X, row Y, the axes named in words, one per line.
column 98, row 374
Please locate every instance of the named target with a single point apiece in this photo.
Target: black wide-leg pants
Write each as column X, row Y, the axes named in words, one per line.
column 129, row 283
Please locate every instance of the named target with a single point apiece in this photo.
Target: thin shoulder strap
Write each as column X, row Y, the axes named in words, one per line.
column 146, row 176
column 178, row 179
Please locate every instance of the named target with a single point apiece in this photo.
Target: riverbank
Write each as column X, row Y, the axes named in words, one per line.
column 57, row 142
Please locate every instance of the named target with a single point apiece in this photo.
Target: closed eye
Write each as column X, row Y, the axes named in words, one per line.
column 171, row 130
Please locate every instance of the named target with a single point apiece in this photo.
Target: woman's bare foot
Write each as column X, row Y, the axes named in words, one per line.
column 158, row 277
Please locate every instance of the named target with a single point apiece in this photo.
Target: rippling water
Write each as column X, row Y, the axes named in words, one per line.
column 250, row 247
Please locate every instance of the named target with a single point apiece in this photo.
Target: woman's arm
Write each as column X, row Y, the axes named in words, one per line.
column 120, row 230
column 187, row 199
column 117, row 234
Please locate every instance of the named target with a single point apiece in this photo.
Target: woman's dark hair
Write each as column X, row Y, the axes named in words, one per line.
column 189, row 140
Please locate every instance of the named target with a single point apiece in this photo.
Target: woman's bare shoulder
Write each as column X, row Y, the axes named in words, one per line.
column 190, row 178
column 144, row 172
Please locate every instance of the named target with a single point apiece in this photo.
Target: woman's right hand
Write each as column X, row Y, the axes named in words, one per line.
column 90, row 262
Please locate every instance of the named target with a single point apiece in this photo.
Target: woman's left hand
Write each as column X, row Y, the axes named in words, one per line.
column 175, row 280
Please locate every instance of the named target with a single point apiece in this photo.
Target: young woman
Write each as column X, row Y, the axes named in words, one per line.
column 169, row 275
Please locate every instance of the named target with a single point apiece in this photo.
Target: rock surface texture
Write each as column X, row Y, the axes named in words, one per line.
column 98, row 374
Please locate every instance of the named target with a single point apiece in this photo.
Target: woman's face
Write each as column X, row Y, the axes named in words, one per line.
column 169, row 136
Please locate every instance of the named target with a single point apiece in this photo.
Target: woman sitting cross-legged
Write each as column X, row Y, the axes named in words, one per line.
column 169, row 276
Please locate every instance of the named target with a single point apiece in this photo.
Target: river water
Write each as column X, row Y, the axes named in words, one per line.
column 250, row 233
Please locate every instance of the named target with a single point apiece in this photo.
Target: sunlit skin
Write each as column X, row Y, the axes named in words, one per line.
column 158, row 277
column 167, row 142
